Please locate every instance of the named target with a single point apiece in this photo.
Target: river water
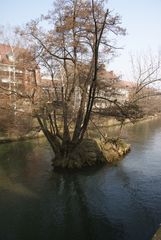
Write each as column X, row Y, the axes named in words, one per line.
column 121, row 202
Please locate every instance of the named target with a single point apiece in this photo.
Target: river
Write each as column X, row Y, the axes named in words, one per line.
column 121, row 202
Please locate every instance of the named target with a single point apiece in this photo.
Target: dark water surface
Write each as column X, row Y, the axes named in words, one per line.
column 121, row 202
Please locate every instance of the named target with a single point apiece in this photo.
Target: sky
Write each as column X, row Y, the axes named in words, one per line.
column 141, row 18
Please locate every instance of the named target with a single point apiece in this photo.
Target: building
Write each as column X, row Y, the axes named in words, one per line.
column 111, row 88
column 17, row 72
column 20, row 73
column 16, row 67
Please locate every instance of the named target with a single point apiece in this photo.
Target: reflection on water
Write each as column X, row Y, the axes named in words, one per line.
column 115, row 203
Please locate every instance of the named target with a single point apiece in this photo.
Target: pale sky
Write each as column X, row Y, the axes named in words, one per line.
column 141, row 18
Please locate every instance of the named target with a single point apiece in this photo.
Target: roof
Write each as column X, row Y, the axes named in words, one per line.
column 125, row 84
column 5, row 50
column 103, row 74
column 10, row 54
column 106, row 78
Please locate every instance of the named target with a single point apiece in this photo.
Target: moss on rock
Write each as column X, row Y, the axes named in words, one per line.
column 114, row 149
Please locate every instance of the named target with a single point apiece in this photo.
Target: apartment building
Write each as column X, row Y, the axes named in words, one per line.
column 111, row 88
column 17, row 72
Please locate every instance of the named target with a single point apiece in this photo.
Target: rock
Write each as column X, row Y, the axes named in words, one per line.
column 157, row 235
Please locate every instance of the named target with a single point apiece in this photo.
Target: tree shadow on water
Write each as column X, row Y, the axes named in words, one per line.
column 80, row 220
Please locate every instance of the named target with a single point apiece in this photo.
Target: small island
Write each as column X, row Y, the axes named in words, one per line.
column 91, row 152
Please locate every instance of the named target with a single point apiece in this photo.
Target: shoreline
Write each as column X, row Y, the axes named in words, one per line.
column 110, row 123
column 4, row 140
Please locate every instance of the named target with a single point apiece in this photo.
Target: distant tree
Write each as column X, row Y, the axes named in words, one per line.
column 146, row 91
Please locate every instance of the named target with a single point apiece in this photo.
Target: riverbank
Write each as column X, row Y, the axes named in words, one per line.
column 101, row 122
column 112, row 122
column 9, row 139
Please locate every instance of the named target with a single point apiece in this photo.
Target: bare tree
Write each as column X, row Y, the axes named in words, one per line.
column 146, row 91
column 72, row 50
